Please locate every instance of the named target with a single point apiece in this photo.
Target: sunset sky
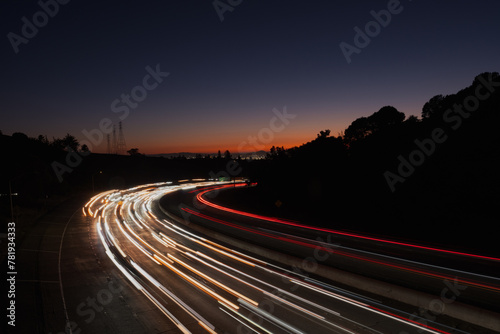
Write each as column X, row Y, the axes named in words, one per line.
column 227, row 76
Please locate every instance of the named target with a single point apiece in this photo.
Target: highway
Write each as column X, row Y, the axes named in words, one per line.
column 418, row 266
column 200, row 284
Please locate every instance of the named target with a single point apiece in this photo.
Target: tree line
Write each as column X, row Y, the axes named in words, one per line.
column 343, row 175
column 345, row 169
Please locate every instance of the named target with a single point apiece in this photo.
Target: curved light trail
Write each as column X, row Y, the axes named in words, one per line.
column 201, row 285
column 437, row 272
column 200, row 198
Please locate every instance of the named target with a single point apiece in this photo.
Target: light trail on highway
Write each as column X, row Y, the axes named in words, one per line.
column 202, row 192
column 437, row 272
column 202, row 285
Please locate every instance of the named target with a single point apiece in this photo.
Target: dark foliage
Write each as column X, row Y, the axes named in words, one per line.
column 341, row 180
column 338, row 181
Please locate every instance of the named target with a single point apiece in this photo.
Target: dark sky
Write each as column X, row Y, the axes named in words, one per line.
column 226, row 77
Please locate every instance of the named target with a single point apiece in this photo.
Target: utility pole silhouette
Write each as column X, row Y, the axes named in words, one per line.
column 108, row 137
column 121, row 147
column 114, row 145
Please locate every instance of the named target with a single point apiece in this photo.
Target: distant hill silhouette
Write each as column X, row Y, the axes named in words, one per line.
column 190, row 155
column 447, row 187
column 404, row 176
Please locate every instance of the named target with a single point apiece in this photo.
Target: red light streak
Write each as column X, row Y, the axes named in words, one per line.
column 200, row 198
column 342, row 253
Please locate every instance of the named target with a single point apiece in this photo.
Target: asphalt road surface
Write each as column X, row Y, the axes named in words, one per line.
column 201, row 284
column 122, row 264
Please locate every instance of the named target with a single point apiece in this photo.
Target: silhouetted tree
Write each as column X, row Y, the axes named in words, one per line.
column 19, row 136
column 365, row 126
column 359, row 128
column 43, row 139
column 71, row 142
column 57, row 143
column 272, row 152
column 494, row 76
column 434, row 107
column 227, row 155
column 134, row 152
column 324, row 134
column 385, row 117
column 412, row 119
column 277, row 152
column 85, row 148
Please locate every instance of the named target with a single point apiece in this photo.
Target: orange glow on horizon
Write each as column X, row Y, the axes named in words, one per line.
column 234, row 145
column 210, row 149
